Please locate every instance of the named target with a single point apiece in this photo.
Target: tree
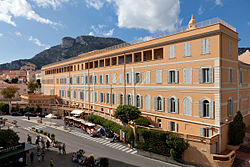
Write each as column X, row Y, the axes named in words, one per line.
column 38, row 109
column 27, row 108
column 142, row 121
column 127, row 113
column 236, row 131
column 9, row 93
column 4, row 107
column 8, row 138
column 32, row 86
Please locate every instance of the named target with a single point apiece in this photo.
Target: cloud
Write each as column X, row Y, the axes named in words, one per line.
column 19, row 8
column 50, row 3
column 1, row 35
column 18, row 34
column 152, row 15
column 97, row 4
column 200, row 10
column 248, row 23
column 36, row 41
column 218, row 3
column 91, row 33
column 99, row 30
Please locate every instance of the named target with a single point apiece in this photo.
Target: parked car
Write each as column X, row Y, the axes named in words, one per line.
column 29, row 114
column 41, row 115
column 16, row 114
column 96, row 133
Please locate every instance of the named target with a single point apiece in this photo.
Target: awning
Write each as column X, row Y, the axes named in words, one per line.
column 77, row 112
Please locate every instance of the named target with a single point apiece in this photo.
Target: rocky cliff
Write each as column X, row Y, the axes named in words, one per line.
column 69, row 47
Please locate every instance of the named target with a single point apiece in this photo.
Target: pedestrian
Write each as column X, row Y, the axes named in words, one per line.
column 59, row 148
column 43, row 145
column 31, row 157
column 38, row 148
column 51, row 162
column 37, row 141
column 47, row 144
column 43, row 154
column 63, row 149
column 38, row 156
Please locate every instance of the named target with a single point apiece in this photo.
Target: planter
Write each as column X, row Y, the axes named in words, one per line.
column 39, row 121
column 231, row 147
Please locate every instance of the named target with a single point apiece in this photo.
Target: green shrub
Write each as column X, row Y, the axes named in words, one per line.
column 4, row 107
column 8, row 138
column 236, row 131
column 45, row 133
column 127, row 113
column 48, row 135
column 33, row 128
column 142, row 121
column 53, row 136
column 41, row 131
column 37, row 130
column 104, row 162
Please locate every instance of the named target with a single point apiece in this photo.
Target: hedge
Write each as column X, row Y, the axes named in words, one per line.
column 142, row 121
column 111, row 125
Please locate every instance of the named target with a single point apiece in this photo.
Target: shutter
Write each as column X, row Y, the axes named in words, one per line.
column 123, row 99
column 185, row 49
column 120, row 78
column 173, row 51
column 169, row 125
column 78, row 95
column 200, row 76
column 176, row 76
column 119, row 97
column 114, row 78
column 189, row 49
column 168, row 76
column 207, row 45
column 141, row 102
column 201, row 132
column 140, row 77
column 170, row 51
column 127, row 99
column 232, row 107
column 203, row 46
column 200, row 108
column 147, row 77
column 132, row 100
column 163, row 105
column 100, row 97
column 176, row 106
column 176, row 127
column 168, row 105
column 211, row 74
column 129, row 79
column 155, row 103
column 159, row 76
column 211, row 110
column 210, row 132
column 185, row 71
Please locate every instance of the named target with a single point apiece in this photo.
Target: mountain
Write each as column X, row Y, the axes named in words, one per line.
column 68, row 48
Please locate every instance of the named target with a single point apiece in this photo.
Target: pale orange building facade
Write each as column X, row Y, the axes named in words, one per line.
column 190, row 83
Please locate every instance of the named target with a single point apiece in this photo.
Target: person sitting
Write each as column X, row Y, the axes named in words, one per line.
column 74, row 157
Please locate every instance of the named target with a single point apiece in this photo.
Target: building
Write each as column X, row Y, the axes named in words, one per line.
column 22, row 89
column 189, row 82
column 29, row 67
column 11, row 74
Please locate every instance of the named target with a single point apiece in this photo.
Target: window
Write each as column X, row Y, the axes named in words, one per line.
column 159, row 123
column 159, row 103
column 137, row 77
column 107, row 79
column 102, row 97
column 230, row 76
column 205, row 132
column 74, row 80
column 96, row 97
column 82, row 80
column 205, row 46
column 90, row 79
column 121, row 78
column 129, row 99
column 81, row 95
column 108, row 98
column 147, row 77
column 241, row 76
column 95, row 79
column 128, row 78
column 171, row 51
column 187, row 75
column 70, row 80
column 113, row 99
column 86, row 79
column 206, row 75
column 230, row 48
column 187, row 49
column 114, row 78
column 138, row 101
column 87, row 96
column 74, row 94
column 91, row 96
column 206, row 108
column 121, row 99
column 148, row 102
column 172, row 76
column 159, row 76
column 172, row 105
column 230, row 107
column 101, row 79
column 172, row 126
column 187, row 102
column 78, row 80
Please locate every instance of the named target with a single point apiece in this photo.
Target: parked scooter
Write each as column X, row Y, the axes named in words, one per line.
column 115, row 138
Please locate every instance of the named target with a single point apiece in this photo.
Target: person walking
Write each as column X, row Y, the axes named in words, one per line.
column 63, row 149
column 47, row 144
column 31, row 157
column 43, row 154
column 38, row 156
column 59, row 148
column 51, row 162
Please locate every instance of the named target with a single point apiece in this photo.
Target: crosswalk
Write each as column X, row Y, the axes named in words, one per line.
column 105, row 142
column 36, row 127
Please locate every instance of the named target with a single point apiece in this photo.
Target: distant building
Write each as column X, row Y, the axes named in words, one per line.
column 11, row 74
column 29, row 67
column 21, row 86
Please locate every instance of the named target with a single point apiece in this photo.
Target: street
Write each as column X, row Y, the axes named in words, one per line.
column 76, row 139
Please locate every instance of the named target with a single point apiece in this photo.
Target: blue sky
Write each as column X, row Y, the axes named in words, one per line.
column 27, row 27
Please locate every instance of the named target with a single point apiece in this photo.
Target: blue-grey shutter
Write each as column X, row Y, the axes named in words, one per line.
column 189, row 49
column 155, row 103
column 141, row 102
column 129, row 81
column 163, row 105
column 168, row 105
column 140, row 78
column 127, row 99
column 169, row 125
column 176, row 106
column 207, row 45
column 123, row 98
column 200, row 108
column 119, row 97
column 78, row 95
column 211, row 109
column 168, row 76
column 203, row 46
column 176, row 127
column 201, row 132
column 210, row 132
column 176, row 76
column 173, row 51
column 159, row 76
column 211, row 75
column 114, row 99
column 120, row 78
column 200, row 76
column 185, row 49
column 147, row 77
column 114, row 78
